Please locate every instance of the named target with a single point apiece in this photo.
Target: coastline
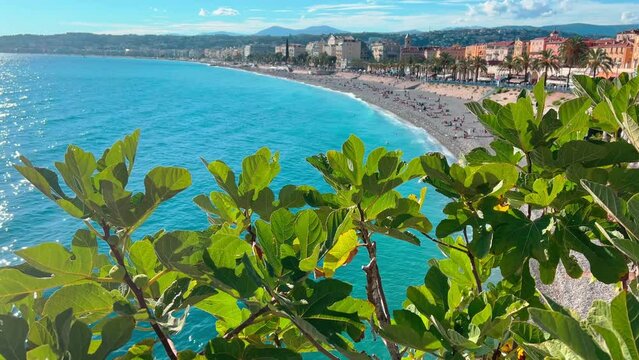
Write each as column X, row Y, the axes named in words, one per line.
column 576, row 294
column 444, row 120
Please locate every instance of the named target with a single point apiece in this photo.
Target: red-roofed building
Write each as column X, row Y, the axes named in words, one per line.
column 552, row 43
column 497, row 51
column 408, row 51
column 457, row 52
column 475, row 50
column 621, row 52
column 629, row 35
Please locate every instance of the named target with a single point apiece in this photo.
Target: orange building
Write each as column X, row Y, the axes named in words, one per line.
column 496, row 52
column 521, row 47
column 476, row 50
column 635, row 54
column 621, row 52
column 630, row 35
column 552, row 42
column 457, row 52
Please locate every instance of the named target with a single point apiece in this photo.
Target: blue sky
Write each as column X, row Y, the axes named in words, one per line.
column 250, row 16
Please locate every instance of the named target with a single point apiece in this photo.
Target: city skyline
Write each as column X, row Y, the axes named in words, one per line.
column 247, row 17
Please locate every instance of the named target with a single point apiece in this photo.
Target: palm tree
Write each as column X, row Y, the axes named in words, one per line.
column 573, row 53
column 478, row 64
column 445, row 61
column 598, row 59
column 546, row 61
column 454, row 68
column 509, row 64
column 462, row 67
column 524, row 62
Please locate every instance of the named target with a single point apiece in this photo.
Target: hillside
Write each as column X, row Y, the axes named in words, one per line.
column 148, row 45
column 313, row 30
column 592, row 30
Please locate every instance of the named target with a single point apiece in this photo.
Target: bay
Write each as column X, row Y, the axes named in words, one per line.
column 186, row 111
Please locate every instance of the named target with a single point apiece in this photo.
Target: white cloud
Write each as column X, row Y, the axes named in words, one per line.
column 518, row 9
column 587, row 11
column 203, row 12
column 628, row 17
column 369, row 5
column 225, row 11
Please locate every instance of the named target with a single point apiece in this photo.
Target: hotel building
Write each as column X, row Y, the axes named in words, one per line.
column 293, row 50
column 408, row 51
column 476, row 50
column 385, row 50
column 552, row 43
column 257, row 50
column 520, row 48
column 457, row 52
column 496, row 52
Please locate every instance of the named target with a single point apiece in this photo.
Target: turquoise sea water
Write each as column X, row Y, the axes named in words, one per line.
column 185, row 111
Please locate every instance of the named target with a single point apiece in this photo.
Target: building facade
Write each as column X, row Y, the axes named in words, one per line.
column 347, row 50
column 496, row 52
column 621, row 52
column 409, row 52
column 630, row 35
column 257, row 50
column 475, row 51
column 344, row 48
column 385, row 50
column 315, row 48
column 520, row 48
column 457, row 52
column 552, row 43
column 430, row 52
column 293, row 50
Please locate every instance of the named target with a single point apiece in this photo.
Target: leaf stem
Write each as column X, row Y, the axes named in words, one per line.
column 233, row 333
column 139, row 295
column 93, row 229
column 439, row 242
column 473, row 265
column 374, row 287
column 313, row 341
column 529, row 169
column 157, row 277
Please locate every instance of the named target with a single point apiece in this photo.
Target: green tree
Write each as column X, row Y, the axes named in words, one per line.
column 463, row 68
column 573, row 53
column 478, row 65
column 446, row 61
column 509, row 64
column 267, row 267
column 524, row 62
column 597, row 59
column 546, row 62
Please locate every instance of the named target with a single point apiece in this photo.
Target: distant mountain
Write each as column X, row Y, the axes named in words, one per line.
column 412, row 32
column 313, row 30
column 470, row 27
column 591, row 30
column 221, row 33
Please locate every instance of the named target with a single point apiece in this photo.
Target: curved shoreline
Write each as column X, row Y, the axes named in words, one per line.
column 392, row 117
column 397, row 105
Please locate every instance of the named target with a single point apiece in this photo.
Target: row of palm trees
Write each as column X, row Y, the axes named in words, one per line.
column 574, row 53
column 462, row 69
